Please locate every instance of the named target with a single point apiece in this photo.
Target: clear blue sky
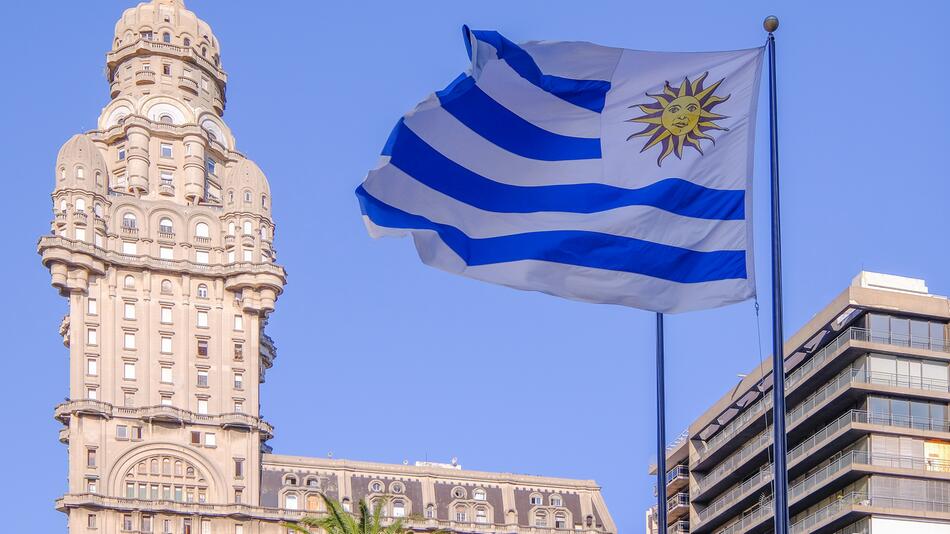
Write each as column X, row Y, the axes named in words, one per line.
column 417, row 363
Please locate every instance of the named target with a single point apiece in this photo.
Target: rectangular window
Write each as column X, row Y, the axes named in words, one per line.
column 129, row 340
column 129, row 311
column 166, row 150
column 203, row 406
column 202, row 348
column 121, row 432
column 80, row 234
column 129, row 247
column 92, row 393
column 166, row 315
column 146, row 523
column 201, row 256
column 195, row 438
column 128, row 399
column 205, row 526
column 121, row 152
column 230, row 256
column 239, row 322
column 238, row 468
column 202, row 320
column 239, row 351
column 203, row 378
column 166, row 345
column 166, row 375
column 166, row 400
column 136, row 432
column 210, row 440
column 239, row 406
column 90, row 457
column 98, row 240
column 128, row 371
column 129, row 490
column 127, row 522
column 167, row 179
column 238, row 381
column 248, row 254
column 92, row 366
column 92, row 337
column 238, row 498
column 166, row 253
column 212, row 165
column 92, row 307
column 178, row 497
column 91, row 521
column 166, row 69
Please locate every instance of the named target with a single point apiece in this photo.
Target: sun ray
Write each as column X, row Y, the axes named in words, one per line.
column 680, row 117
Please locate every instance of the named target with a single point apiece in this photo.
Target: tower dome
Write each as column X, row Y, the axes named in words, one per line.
column 168, row 22
column 247, row 188
column 80, row 165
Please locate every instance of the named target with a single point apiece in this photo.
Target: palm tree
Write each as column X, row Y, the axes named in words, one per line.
column 339, row 521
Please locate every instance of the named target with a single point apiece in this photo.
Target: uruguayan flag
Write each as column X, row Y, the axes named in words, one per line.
column 598, row 174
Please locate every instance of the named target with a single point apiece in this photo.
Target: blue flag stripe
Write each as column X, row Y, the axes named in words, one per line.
column 496, row 123
column 417, row 159
column 571, row 247
column 588, row 94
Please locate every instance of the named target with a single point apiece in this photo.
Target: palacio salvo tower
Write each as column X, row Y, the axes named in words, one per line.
column 162, row 242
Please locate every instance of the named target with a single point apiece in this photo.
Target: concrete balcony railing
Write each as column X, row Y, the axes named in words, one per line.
column 115, row 88
column 158, row 47
column 160, row 413
column 808, row 368
column 188, row 84
column 144, row 77
column 167, row 190
column 59, row 216
column 100, row 223
column 80, row 217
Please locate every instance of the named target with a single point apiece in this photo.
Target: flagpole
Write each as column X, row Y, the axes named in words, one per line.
column 780, row 479
column 660, row 431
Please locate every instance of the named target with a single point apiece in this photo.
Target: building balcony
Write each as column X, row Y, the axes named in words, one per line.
column 60, row 217
column 164, row 413
column 167, row 190
column 80, row 217
column 166, row 236
column 100, row 223
column 143, row 46
column 752, row 419
column 677, row 506
column 188, row 84
column 144, row 77
column 218, row 105
column 680, row 527
column 130, row 231
column 229, row 240
column 115, row 88
column 676, row 479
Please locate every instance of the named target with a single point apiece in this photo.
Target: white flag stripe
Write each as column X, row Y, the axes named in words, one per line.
column 536, row 105
column 639, row 222
column 575, row 60
column 587, row 284
column 447, row 135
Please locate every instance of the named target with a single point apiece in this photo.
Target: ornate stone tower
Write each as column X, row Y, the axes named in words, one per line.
column 162, row 243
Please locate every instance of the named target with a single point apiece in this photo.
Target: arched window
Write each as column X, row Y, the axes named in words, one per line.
column 430, row 512
column 230, row 197
column 313, row 502
column 80, row 204
column 62, row 205
column 166, row 287
column 190, row 472
column 166, row 466
column 202, row 230
column 211, row 135
column 346, row 504
column 312, row 482
column 541, row 519
column 458, row 493
column 589, row 521
column 166, row 37
column 461, row 514
column 97, row 209
column 376, row 487
column 290, row 502
column 479, row 494
column 165, row 118
column 248, row 229
column 399, row 508
column 396, row 487
column 560, row 520
column 536, row 499
column 247, row 197
column 202, row 291
column 290, row 480
column 165, row 226
column 263, row 201
column 129, row 282
column 62, row 173
column 80, row 173
column 204, row 51
column 154, row 466
column 556, row 500
column 231, row 228
column 178, row 472
column 98, row 178
column 129, row 221
column 187, row 41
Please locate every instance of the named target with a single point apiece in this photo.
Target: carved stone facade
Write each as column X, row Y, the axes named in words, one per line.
column 162, row 242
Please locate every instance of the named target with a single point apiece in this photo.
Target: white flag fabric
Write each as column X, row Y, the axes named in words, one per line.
column 592, row 173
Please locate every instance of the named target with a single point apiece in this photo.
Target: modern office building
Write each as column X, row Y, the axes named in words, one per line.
column 868, row 430
column 162, row 244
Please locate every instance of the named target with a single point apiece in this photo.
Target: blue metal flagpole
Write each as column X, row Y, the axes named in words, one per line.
column 660, row 431
column 780, row 479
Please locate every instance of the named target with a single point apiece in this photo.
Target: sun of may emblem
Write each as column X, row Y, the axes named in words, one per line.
column 680, row 117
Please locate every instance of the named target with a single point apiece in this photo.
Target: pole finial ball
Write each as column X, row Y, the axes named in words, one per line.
column 771, row 23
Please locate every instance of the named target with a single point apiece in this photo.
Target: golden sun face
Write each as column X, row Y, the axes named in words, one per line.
column 680, row 117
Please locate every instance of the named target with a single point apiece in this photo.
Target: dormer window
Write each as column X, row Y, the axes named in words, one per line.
column 187, row 41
